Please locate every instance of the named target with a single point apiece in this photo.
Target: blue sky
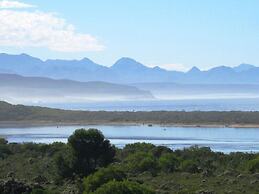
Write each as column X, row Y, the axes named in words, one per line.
column 174, row 34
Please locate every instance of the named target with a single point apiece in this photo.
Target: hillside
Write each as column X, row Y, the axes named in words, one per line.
column 21, row 89
column 15, row 114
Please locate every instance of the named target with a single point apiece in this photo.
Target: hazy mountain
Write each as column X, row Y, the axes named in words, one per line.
column 125, row 70
column 130, row 71
column 243, row 67
column 200, row 91
column 15, row 88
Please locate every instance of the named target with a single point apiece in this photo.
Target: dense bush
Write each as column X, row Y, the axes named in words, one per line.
column 160, row 150
column 141, row 161
column 169, row 162
column 102, row 176
column 176, row 171
column 123, row 187
column 64, row 164
column 189, row 166
column 42, row 191
column 253, row 165
column 137, row 147
column 3, row 141
column 4, row 149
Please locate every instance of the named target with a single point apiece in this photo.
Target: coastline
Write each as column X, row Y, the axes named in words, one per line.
column 25, row 124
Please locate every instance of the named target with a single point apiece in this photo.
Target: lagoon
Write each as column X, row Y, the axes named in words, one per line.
column 218, row 139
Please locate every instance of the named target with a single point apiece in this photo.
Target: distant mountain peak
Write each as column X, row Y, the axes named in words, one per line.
column 128, row 63
column 157, row 68
column 243, row 67
column 194, row 70
column 85, row 59
column 126, row 60
column 125, row 70
column 221, row 68
column 25, row 55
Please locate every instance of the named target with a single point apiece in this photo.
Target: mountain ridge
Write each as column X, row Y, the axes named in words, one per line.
column 16, row 88
column 124, row 70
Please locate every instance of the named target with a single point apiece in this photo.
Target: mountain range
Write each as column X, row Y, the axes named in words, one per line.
column 125, row 70
column 19, row 89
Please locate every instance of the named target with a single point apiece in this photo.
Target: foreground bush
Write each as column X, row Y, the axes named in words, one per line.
column 102, row 176
column 253, row 165
column 168, row 162
column 141, row 161
column 41, row 191
column 189, row 166
column 3, row 141
column 123, row 187
column 4, row 150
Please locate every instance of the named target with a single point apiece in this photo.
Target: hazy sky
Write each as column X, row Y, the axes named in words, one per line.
column 176, row 34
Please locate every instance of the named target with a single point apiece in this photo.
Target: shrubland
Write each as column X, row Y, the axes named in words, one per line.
column 88, row 163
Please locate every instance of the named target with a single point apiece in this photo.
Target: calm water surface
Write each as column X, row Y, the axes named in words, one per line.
column 170, row 105
column 219, row 139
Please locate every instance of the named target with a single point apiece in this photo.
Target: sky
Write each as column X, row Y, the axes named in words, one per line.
column 172, row 34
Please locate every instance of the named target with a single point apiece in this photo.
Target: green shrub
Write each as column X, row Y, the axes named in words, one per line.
column 253, row 165
column 102, row 176
column 160, row 150
column 63, row 163
column 189, row 166
column 3, row 141
column 41, row 191
column 123, row 187
column 141, row 161
column 4, row 151
column 168, row 162
column 137, row 147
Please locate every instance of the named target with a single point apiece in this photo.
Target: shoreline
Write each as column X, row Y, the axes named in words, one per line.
column 26, row 124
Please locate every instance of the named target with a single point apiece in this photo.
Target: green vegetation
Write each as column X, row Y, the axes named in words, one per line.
column 88, row 163
column 88, row 151
column 19, row 114
column 122, row 187
column 101, row 177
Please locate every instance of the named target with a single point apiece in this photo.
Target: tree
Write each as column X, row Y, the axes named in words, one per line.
column 90, row 150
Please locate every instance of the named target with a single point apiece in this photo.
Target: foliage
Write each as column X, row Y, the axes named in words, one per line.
column 102, row 176
column 189, row 166
column 90, row 150
column 4, row 149
column 169, row 162
column 123, row 187
column 253, row 165
column 141, row 161
column 9, row 112
column 3, row 141
column 42, row 191
column 64, row 164
column 190, row 170
column 157, row 151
